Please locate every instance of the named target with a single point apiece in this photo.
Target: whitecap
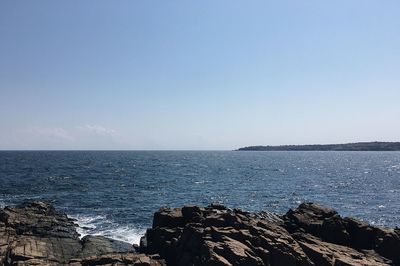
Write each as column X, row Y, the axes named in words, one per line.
column 87, row 224
column 100, row 225
column 58, row 177
column 125, row 233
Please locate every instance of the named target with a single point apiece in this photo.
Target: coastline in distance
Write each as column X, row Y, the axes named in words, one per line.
column 359, row 146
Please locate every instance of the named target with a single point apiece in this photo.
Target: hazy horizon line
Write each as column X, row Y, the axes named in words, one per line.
column 234, row 149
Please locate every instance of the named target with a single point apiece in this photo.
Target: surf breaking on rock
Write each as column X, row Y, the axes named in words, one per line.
column 35, row 233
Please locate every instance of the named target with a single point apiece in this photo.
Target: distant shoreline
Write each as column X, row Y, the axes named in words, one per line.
column 359, row 146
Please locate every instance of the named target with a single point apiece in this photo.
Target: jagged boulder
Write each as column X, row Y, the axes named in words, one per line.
column 327, row 225
column 325, row 253
column 308, row 235
column 35, row 233
column 217, row 235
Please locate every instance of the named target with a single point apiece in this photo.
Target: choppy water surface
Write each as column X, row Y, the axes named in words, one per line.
column 115, row 193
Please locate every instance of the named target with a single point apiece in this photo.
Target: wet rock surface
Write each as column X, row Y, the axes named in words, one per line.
column 35, row 233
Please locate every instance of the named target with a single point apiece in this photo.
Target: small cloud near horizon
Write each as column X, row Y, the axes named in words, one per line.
column 88, row 136
column 54, row 133
column 99, row 130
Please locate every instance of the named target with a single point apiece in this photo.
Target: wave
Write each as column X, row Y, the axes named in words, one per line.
column 100, row 225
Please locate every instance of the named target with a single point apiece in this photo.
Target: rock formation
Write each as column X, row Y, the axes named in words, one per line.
column 36, row 234
column 308, row 235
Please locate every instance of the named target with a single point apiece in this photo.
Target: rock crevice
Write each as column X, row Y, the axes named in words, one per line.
column 308, row 235
column 35, row 233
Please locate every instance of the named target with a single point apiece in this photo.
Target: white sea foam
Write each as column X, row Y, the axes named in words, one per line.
column 100, row 225
column 88, row 224
column 124, row 233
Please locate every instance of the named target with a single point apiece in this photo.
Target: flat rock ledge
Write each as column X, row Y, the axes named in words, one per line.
column 35, row 233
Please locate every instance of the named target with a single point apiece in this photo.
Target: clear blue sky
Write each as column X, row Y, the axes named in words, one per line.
column 197, row 74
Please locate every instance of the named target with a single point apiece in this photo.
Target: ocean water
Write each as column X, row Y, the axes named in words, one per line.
column 115, row 193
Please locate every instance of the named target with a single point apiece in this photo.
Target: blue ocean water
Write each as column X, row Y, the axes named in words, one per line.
column 115, row 193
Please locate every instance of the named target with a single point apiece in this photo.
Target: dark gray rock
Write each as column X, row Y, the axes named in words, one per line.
column 221, row 237
column 309, row 235
column 34, row 233
column 38, row 218
column 100, row 245
column 328, row 226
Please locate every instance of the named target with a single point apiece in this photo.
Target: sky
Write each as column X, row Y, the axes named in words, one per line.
column 197, row 75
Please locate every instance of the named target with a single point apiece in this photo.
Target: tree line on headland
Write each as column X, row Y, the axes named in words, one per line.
column 359, row 146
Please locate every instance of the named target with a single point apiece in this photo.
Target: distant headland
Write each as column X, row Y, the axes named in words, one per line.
column 359, row 146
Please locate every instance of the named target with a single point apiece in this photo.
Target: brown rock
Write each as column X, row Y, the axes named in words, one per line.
column 327, row 225
column 308, row 217
column 36, row 234
column 38, row 218
column 308, row 235
column 168, row 218
column 223, row 237
column 325, row 253
column 119, row 259
column 100, row 245
column 191, row 213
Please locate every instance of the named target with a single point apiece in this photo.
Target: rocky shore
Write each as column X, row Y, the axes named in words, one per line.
column 35, row 233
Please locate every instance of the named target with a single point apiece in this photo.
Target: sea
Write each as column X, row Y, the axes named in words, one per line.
column 115, row 193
